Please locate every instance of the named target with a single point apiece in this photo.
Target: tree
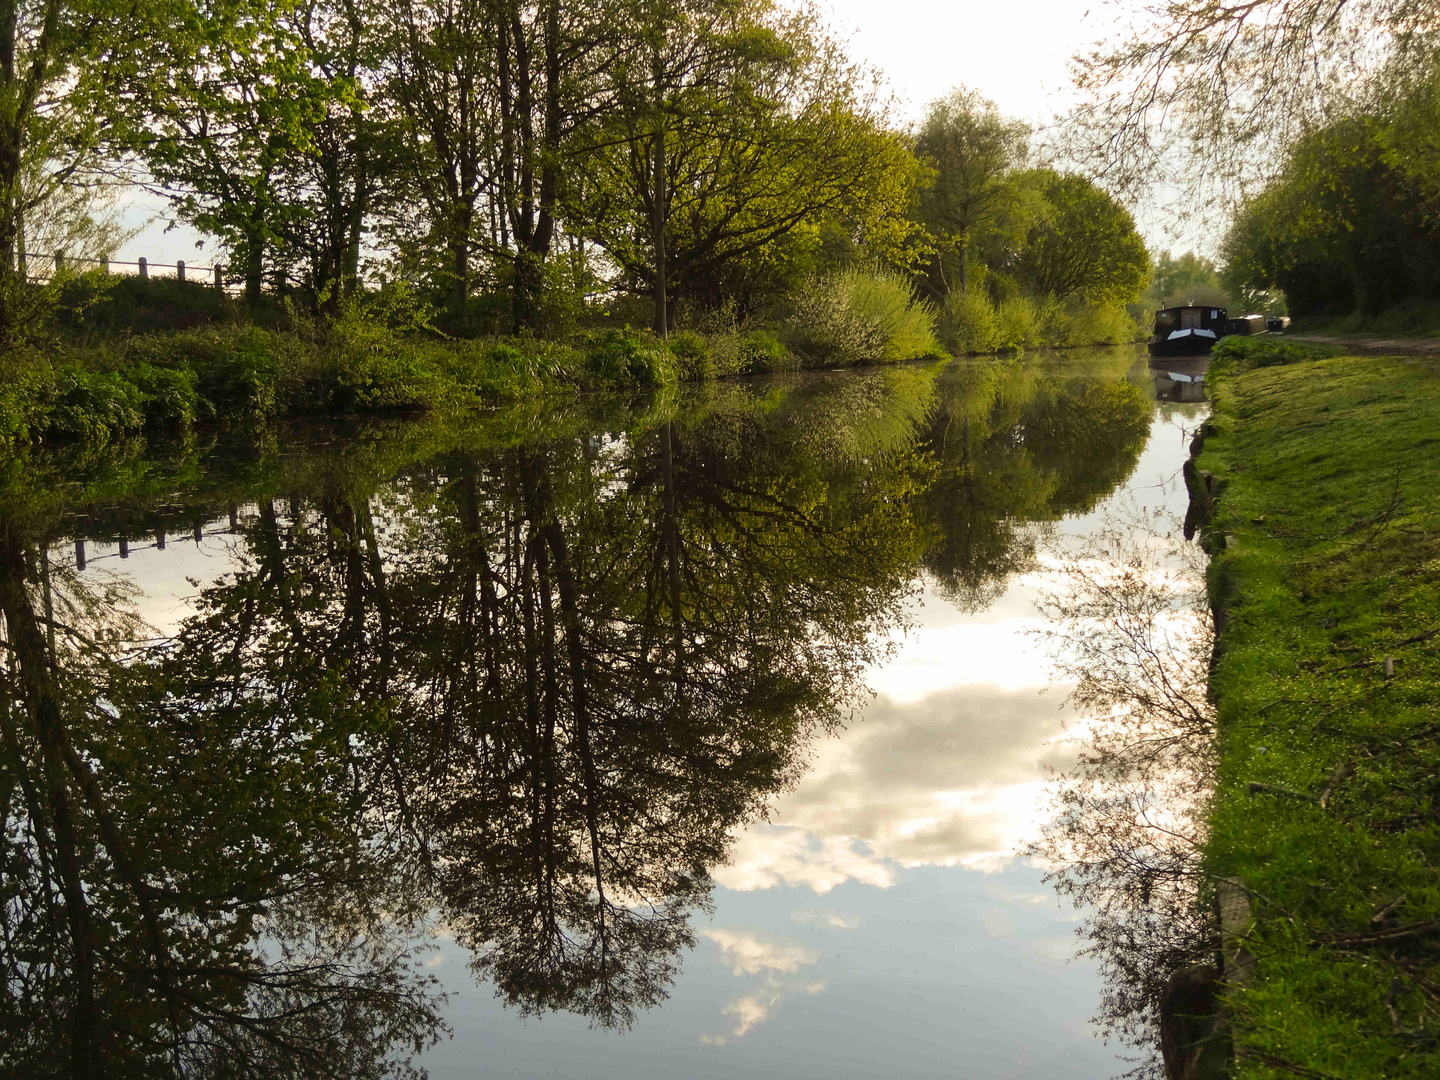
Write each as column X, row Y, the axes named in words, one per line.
column 1199, row 94
column 766, row 131
column 161, row 818
column 1340, row 229
column 60, row 61
column 1085, row 246
column 229, row 109
column 1185, row 279
column 975, row 154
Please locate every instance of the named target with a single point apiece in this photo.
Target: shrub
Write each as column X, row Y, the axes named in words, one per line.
column 168, row 396
column 760, row 353
column 693, row 358
column 26, row 395
column 969, row 324
column 94, row 406
column 857, row 316
column 1240, row 353
column 1016, row 325
column 98, row 301
column 619, row 358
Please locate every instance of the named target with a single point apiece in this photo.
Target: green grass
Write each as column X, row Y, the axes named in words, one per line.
column 1331, row 490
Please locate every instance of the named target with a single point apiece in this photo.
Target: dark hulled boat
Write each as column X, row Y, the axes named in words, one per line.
column 1193, row 331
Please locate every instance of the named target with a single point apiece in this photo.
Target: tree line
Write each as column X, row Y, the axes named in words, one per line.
column 511, row 159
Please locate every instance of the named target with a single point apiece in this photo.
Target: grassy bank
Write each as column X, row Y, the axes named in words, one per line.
column 125, row 355
column 1328, row 800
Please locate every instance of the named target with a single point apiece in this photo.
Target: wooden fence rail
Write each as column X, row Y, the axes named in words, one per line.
column 144, row 266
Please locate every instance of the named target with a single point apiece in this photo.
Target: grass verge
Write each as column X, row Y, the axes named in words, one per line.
column 1328, row 797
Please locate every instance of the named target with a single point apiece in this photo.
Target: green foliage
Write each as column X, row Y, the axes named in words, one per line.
column 969, row 323
column 94, row 406
column 977, row 201
column 1348, row 223
column 169, row 398
column 1016, row 324
column 106, row 303
column 856, row 316
column 1241, row 353
column 693, row 358
column 618, row 358
column 1085, row 246
column 760, row 353
column 1336, row 520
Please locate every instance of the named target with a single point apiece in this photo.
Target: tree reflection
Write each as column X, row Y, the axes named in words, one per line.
column 1016, row 444
column 155, row 834
column 531, row 689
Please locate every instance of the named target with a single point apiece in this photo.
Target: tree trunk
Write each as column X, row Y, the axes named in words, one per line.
column 254, row 265
column 657, row 225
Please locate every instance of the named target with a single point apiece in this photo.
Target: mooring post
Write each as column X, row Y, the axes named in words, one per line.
column 234, row 518
column 179, row 269
column 124, row 548
column 219, row 277
column 160, row 540
column 79, row 553
column 199, row 531
column 144, row 269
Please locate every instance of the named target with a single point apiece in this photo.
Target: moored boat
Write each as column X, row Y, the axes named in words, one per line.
column 1193, row 330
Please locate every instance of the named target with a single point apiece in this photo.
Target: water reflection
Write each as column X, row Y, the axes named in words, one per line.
column 526, row 678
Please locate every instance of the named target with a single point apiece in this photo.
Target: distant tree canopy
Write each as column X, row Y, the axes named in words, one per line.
column 1352, row 221
column 1035, row 231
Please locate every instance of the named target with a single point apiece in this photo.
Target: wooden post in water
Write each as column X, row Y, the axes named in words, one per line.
column 79, row 553
column 179, row 269
column 234, row 518
column 199, row 531
column 124, row 548
column 144, row 269
column 160, row 540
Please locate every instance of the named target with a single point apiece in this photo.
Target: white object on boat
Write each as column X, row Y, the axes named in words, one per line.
column 1176, row 335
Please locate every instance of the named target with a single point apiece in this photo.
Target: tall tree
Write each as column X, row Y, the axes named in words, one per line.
column 758, row 127
column 1085, row 246
column 976, row 155
column 60, row 64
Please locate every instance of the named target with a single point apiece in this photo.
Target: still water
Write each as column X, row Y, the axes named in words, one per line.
column 691, row 736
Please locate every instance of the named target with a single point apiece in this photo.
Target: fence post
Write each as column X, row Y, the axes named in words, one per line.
column 59, row 261
column 144, row 269
column 219, row 276
column 179, row 269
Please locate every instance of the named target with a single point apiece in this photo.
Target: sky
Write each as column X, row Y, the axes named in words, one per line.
column 1015, row 52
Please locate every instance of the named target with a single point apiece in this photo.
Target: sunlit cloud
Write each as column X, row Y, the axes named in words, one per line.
column 827, row 917
column 764, row 856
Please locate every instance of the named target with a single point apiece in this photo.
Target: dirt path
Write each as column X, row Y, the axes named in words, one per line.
column 1373, row 345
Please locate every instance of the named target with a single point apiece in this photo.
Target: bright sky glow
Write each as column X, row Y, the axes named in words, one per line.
column 1015, row 53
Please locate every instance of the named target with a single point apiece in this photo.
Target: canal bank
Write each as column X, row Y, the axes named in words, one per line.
column 1317, row 482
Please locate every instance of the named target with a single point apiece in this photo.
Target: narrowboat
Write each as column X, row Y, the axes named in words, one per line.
column 1193, row 331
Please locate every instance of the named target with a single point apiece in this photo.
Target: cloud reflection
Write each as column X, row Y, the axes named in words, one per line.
column 955, row 778
column 779, row 961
